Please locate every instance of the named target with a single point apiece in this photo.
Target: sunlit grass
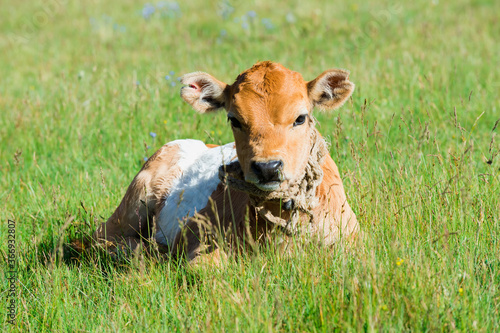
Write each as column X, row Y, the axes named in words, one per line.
column 85, row 83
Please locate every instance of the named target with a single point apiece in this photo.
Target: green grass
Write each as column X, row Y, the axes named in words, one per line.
column 416, row 147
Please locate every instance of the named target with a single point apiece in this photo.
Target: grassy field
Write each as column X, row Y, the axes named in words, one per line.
column 84, row 83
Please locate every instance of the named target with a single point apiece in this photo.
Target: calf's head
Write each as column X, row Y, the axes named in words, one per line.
column 270, row 111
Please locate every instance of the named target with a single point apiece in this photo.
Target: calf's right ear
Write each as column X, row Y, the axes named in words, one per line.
column 204, row 92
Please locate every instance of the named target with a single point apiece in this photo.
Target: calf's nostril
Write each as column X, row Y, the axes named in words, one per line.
column 267, row 171
column 274, row 165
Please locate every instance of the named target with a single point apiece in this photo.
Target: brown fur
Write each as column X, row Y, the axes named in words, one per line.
column 144, row 198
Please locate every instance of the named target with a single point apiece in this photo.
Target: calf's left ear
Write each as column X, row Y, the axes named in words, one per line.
column 204, row 92
column 331, row 89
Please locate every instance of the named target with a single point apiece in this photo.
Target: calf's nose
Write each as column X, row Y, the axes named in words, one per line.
column 267, row 171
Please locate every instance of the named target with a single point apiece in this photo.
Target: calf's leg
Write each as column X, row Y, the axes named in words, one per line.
column 134, row 217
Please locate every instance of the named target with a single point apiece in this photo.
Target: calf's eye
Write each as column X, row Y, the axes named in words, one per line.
column 234, row 122
column 300, row 120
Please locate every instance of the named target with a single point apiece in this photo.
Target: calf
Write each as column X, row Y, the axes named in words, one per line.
column 277, row 175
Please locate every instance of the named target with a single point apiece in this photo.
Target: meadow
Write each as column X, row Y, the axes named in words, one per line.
column 89, row 89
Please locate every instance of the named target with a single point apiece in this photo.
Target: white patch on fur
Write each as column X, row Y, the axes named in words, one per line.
column 190, row 192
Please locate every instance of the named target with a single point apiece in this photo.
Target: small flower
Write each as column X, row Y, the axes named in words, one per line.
column 222, row 36
column 252, row 14
column 268, row 24
column 169, row 9
column 245, row 25
column 145, row 159
column 152, row 134
column 147, row 11
column 461, row 291
column 167, row 77
column 171, row 73
column 225, row 9
column 174, row 6
column 161, row 4
column 173, row 84
column 137, row 82
column 400, row 262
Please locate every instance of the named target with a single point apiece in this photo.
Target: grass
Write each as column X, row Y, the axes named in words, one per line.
column 83, row 84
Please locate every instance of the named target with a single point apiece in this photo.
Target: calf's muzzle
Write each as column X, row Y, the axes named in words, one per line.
column 270, row 171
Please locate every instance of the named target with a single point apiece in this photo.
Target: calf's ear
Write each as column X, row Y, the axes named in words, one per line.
column 204, row 92
column 331, row 89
